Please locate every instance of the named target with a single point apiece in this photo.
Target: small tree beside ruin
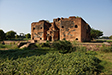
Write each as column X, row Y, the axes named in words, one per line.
column 28, row 36
column 95, row 34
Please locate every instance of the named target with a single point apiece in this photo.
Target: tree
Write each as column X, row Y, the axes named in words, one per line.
column 2, row 35
column 28, row 35
column 10, row 34
column 95, row 34
column 16, row 36
column 104, row 37
column 110, row 37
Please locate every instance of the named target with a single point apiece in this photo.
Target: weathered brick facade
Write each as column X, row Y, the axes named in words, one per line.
column 71, row 28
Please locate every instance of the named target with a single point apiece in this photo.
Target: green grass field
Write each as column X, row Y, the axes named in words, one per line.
column 103, row 40
column 50, row 61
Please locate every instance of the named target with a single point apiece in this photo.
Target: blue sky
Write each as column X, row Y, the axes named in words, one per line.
column 17, row 15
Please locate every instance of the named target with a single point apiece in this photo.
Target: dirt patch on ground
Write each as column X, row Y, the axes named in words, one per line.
column 94, row 46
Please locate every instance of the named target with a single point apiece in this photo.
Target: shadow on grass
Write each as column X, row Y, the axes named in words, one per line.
column 21, row 53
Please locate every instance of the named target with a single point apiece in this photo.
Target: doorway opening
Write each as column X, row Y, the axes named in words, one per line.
column 50, row 38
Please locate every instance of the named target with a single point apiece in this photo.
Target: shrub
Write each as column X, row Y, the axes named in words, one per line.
column 54, row 63
column 75, row 43
column 63, row 46
column 38, row 45
column 45, row 45
column 2, row 46
column 47, row 41
column 91, row 52
column 105, row 48
column 81, row 49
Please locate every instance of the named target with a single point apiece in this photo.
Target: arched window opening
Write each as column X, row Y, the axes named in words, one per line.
column 33, row 28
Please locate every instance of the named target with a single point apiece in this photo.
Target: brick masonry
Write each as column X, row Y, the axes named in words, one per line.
column 71, row 29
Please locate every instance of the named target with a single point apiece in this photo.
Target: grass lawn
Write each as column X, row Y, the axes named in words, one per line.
column 7, row 47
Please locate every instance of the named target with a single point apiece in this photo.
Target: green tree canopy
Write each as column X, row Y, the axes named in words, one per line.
column 2, row 35
column 28, row 35
column 95, row 34
column 110, row 37
column 104, row 37
column 16, row 36
column 10, row 34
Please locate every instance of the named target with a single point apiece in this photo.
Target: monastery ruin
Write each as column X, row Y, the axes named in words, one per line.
column 72, row 28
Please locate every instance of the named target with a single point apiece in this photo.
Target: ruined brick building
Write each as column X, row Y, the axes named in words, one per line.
column 71, row 28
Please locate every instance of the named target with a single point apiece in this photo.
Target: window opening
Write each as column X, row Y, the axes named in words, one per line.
column 50, row 32
column 76, row 38
column 50, row 38
column 33, row 28
column 62, row 26
column 76, row 26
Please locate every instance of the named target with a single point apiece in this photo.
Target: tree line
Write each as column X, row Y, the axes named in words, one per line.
column 95, row 34
column 12, row 35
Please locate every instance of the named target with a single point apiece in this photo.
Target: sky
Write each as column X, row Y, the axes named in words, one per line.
column 17, row 15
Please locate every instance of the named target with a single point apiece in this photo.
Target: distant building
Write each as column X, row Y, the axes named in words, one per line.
column 71, row 28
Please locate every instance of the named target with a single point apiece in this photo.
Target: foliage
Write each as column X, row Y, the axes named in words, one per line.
column 75, row 42
column 92, row 52
column 10, row 34
column 63, row 46
column 47, row 44
column 47, row 21
column 103, row 40
column 110, row 37
column 95, row 33
column 2, row 46
column 2, row 35
column 28, row 35
column 22, row 36
column 106, row 62
column 40, row 45
column 109, row 41
column 16, row 36
column 53, row 63
column 104, row 37
column 81, row 49
column 78, row 17
column 105, row 48
column 7, row 47
column 50, row 61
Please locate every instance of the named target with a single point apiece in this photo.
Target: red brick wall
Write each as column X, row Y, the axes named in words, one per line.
column 39, row 30
column 85, row 31
column 71, row 28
